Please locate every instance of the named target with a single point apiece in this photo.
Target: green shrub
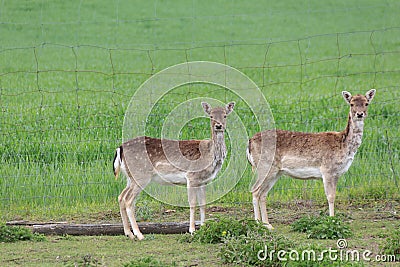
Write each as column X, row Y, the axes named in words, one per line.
column 249, row 243
column 322, row 227
column 245, row 249
column 216, row 231
column 392, row 245
column 18, row 233
column 305, row 224
column 262, row 249
column 144, row 212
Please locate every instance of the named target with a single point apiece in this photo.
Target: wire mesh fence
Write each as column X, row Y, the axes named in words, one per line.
column 63, row 101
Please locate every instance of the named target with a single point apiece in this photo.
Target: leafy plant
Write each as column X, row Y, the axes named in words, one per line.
column 18, row 233
column 330, row 228
column 144, row 212
column 245, row 249
column 322, row 227
column 270, row 249
column 216, row 231
column 249, row 243
column 392, row 245
column 305, row 224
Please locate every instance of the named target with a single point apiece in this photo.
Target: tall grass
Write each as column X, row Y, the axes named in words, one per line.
column 68, row 71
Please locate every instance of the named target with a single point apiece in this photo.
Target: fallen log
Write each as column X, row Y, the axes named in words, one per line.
column 106, row 229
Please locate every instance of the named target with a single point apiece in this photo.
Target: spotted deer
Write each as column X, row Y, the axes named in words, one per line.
column 193, row 163
column 325, row 155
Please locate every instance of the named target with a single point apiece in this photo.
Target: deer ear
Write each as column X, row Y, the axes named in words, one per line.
column 370, row 94
column 347, row 96
column 206, row 107
column 229, row 107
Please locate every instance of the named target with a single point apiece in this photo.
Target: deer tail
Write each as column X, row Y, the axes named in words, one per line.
column 117, row 162
column 249, row 156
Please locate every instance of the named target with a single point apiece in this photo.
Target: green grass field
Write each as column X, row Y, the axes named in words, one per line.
column 69, row 69
column 371, row 226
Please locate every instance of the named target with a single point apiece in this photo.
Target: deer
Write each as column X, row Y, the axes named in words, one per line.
column 193, row 163
column 299, row 155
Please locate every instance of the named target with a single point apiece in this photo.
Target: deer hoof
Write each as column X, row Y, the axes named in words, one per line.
column 130, row 235
column 140, row 237
column 269, row 226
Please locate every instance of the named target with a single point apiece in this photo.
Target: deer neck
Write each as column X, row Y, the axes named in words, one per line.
column 353, row 134
column 219, row 146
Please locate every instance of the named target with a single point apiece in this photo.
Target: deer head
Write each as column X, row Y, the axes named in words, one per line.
column 359, row 104
column 218, row 116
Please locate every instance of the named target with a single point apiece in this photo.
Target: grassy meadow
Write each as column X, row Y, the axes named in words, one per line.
column 68, row 70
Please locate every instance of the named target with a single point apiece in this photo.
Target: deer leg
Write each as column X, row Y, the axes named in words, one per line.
column 124, row 215
column 256, row 190
column 260, row 191
column 129, row 200
column 192, row 206
column 330, row 183
column 269, row 182
column 201, row 198
column 256, row 206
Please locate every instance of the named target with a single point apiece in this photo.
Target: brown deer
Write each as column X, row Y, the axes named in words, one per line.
column 325, row 155
column 193, row 163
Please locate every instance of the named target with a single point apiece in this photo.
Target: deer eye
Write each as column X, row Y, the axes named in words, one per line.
column 211, row 117
column 366, row 104
column 351, row 105
column 225, row 117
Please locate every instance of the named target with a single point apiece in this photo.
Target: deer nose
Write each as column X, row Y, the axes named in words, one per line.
column 360, row 114
column 218, row 126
